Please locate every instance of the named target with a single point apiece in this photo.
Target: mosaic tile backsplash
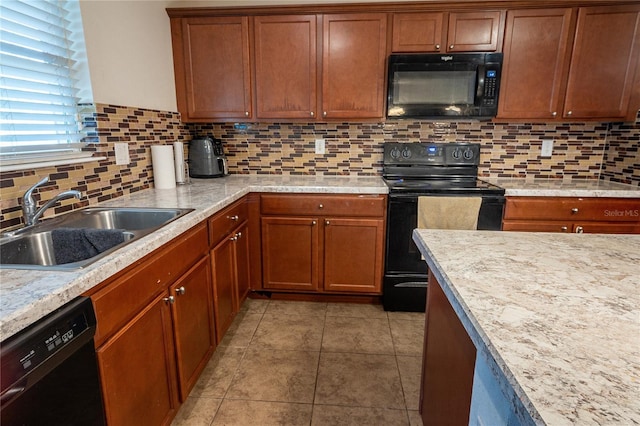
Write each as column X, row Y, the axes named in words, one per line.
column 607, row 151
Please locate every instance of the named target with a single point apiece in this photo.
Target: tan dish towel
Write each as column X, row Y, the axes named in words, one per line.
column 448, row 212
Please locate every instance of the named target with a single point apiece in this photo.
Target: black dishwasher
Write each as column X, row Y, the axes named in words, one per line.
column 49, row 372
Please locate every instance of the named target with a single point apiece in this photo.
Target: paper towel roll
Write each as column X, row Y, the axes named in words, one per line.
column 164, row 171
column 178, row 155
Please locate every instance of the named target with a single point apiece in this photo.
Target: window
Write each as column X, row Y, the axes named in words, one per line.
column 44, row 81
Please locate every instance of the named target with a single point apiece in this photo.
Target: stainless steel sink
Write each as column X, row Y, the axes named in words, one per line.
column 33, row 248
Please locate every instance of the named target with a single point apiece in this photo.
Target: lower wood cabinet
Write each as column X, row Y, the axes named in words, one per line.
column 156, row 331
column 323, row 243
column 229, row 237
column 192, row 315
column 572, row 214
column 138, row 370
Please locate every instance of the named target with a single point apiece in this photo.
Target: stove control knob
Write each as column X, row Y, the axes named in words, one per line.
column 468, row 154
column 455, row 154
column 406, row 153
column 395, row 153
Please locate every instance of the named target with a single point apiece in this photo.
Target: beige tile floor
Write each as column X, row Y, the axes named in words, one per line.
column 308, row 363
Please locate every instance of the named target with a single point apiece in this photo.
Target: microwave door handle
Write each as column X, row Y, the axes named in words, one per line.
column 480, row 82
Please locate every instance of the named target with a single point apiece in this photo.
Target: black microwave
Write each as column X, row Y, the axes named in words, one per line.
column 443, row 85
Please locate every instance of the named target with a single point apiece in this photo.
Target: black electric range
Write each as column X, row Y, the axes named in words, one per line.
column 422, row 169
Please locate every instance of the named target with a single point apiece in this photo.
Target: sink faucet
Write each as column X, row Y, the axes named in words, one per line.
column 29, row 205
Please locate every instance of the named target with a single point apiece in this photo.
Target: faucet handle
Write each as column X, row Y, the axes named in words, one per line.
column 27, row 195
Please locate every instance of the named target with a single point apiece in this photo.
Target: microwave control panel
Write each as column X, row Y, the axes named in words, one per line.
column 490, row 86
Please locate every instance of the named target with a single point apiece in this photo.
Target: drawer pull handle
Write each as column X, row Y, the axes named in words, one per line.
column 574, row 210
column 579, row 230
column 181, row 290
column 234, row 217
column 170, row 300
column 564, row 229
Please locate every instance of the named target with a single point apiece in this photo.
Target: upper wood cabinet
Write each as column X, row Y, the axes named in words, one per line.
column 536, row 54
column 212, row 69
column 557, row 68
column 285, row 66
column 448, row 32
column 603, row 62
column 354, row 65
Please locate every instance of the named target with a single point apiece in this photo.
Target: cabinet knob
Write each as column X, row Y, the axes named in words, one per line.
column 554, row 113
column 234, row 238
column 170, row 300
column 181, row 290
column 238, row 235
column 569, row 112
column 451, row 46
column 312, row 114
column 564, row 229
column 234, row 217
column 326, row 222
column 574, row 210
column 437, row 47
column 246, row 113
column 313, row 222
column 320, row 206
column 324, row 113
column 579, row 230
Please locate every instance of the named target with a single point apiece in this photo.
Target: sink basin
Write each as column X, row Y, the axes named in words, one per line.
column 33, row 247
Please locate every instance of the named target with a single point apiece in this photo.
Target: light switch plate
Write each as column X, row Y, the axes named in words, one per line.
column 319, row 146
column 122, row 153
column 547, row 148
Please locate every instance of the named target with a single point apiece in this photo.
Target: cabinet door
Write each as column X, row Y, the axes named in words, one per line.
column 418, row 32
column 137, row 369
column 603, row 63
column 193, row 324
column 353, row 65
column 242, row 264
column 215, row 72
column 353, row 252
column 290, row 253
column 285, row 68
column 474, row 31
column 224, row 285
column 536, row 54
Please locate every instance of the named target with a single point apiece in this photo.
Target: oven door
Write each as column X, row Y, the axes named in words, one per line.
column 405, row 277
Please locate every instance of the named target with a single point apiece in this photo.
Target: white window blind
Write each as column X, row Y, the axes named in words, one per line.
column 41, row 48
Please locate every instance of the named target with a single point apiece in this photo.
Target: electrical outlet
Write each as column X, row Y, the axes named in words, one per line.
column 319, row 146
column 547, row 148
column 122, row 153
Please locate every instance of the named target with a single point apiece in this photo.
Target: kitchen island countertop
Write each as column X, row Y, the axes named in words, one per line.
column 558, row 313
column 28, row 295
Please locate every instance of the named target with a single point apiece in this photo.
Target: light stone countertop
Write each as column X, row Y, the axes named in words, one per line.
column 28, row 295
column 560, row 188
column 559, row 314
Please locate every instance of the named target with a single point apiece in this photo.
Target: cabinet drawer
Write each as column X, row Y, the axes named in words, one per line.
column 572, row 208
column 124, row 297
column 222, row 223
column 536, row 226
column 324, row 205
